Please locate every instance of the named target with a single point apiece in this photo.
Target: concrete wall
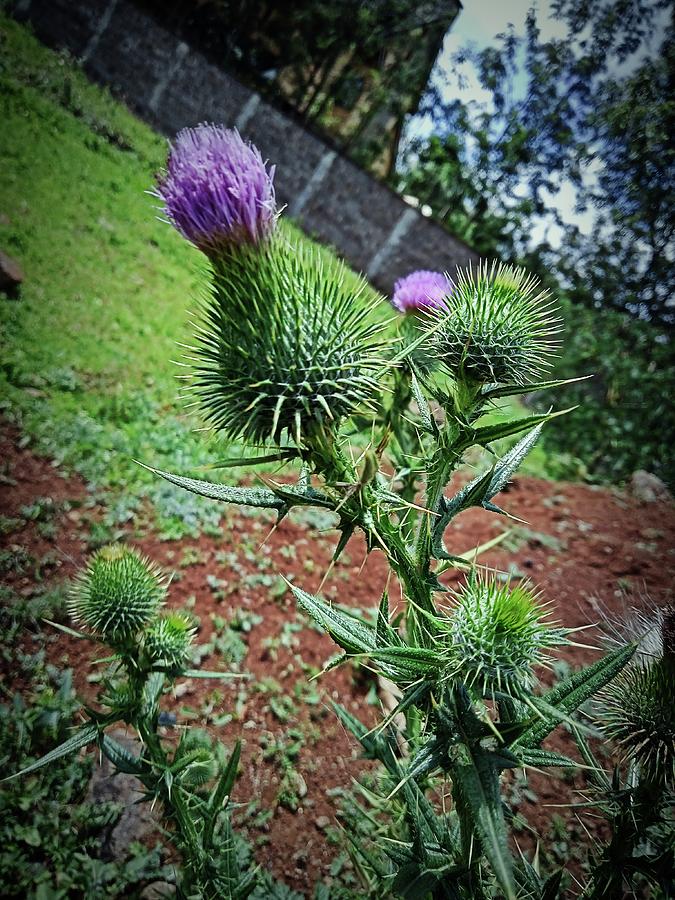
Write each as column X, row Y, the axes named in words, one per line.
column 172, row 86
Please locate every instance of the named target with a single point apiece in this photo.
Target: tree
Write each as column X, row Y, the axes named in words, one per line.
column 596, row 112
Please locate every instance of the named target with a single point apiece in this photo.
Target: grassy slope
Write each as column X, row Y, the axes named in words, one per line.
column 86, row 356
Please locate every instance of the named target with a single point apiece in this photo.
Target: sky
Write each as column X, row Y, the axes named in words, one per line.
column 478, row 23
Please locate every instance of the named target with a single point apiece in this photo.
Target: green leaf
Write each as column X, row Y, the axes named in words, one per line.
column 236, row 462
column 538, row 758
column 596, row 772
column 123, row 760
column 186, row 825
column 384, row 633
column 350, row 633
column 83, row 736
column 410, row 660
column 475, row 770
column 223, row 790
column 428, row 421
column 476, row 777
column 481, row 490
column 415, row 882
column 489, row 433
column 511, row 390
column 243, row 496
column 571, row 693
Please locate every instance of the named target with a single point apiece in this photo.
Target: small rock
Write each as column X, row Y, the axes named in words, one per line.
column 11, row 275
column 322, row 822
column 136, row 821
column 180, row 690
column 648, row 488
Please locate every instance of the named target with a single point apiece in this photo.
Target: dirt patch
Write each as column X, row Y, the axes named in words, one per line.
column 581, row 545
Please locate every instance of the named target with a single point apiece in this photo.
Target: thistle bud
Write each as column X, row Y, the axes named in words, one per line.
column 499, row 634
column 420, row 290
column 637, row 709
column 637, row 712
column 495, row 325
column 217, row 191
column 117, row 593
column 168, row 640
column 284, row 347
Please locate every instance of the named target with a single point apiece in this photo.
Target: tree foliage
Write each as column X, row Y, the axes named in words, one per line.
column 592, row 109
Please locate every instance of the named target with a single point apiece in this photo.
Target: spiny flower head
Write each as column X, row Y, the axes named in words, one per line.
column 168, row 639
column 499, row 633
column 117, row 593
column 217, row 191
column 284, row 346
column 495, row 325
column 637, row 712
column 637, row 708
column 420, row 290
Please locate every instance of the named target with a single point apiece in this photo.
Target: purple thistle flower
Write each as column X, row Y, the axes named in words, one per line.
column 420, row 290
column 216, row 189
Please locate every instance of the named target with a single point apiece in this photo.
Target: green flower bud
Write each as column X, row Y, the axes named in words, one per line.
column 495, row 325
column 117, row 593
column 168, row 639
column 284, row 347
column 498, row 634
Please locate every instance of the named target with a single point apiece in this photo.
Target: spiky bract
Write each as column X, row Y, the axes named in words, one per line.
column 217, row 191
column 495, row 325
column 117, row 593
column 420, row 290
column 499, row 633
column 284, row 346
column 637, row 711
column 168, row 639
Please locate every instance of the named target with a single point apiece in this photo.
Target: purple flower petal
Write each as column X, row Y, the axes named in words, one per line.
column 216, row 189
column 420, row 290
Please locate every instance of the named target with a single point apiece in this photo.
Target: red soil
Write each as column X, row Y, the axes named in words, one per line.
column 582, row 547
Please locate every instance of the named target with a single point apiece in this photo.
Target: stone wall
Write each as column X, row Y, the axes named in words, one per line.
column 171, row 86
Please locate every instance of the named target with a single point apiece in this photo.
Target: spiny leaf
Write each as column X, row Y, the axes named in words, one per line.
column 411, row 660
column 350, row 633
column 242, row 496
column 476, row 778
column 571, row 693
column 83, row 736
column 487, row 434
column 538, row 758
column 223, row 790
column 237, row 462
column 511, row 390
column 428, row 421
column 385, row 634
column 123, row 760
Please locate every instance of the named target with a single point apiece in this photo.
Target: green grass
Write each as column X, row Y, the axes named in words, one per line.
column 87, row 351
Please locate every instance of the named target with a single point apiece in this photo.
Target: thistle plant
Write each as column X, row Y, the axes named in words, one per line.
column 117, row 599
column 289, row 358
